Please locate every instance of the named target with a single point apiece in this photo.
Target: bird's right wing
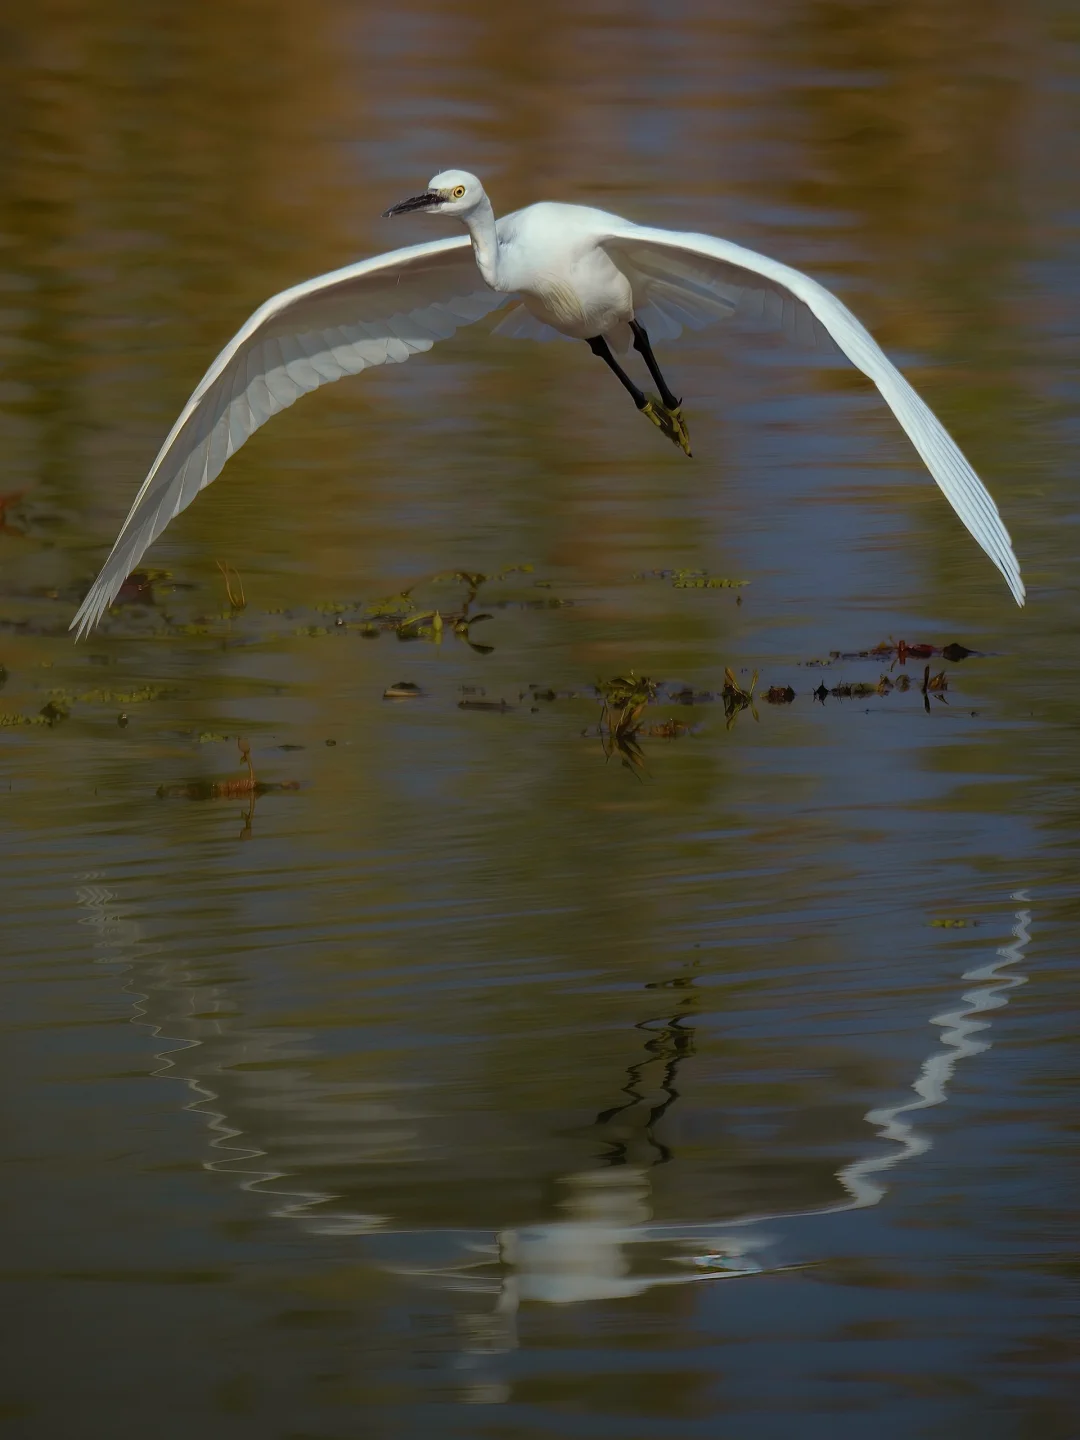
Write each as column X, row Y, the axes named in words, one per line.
column 375, row 312
column 694, row 279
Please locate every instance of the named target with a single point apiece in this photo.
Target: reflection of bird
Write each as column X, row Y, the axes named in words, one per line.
column 575, row 272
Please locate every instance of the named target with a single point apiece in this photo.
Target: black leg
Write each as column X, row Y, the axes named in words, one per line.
column 599, row 346
column 665, row 414
column 644, row 349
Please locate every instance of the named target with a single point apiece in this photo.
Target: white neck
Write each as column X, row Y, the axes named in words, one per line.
column 485, row 242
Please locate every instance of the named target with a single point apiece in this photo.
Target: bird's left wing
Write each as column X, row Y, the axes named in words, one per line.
column 375, row 312
column 693, row 279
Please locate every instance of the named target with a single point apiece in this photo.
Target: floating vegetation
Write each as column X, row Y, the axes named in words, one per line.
column 399, row 613
column 951, row 924
column 899, row 651
column 49, row 715
column 736, row 699
column 403, row 690
column 779, row 695
column 689, row 696
column 244, row 786
column 861, row 690
column 99, row 696
column 60, row 702
column 669, row 730
column 934, row 685
column 498, row 706
column 247, row 787
column 627, row 694
column 624, row 697
column 692, row 579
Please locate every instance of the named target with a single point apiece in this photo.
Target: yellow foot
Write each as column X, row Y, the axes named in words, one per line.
column 670, row 422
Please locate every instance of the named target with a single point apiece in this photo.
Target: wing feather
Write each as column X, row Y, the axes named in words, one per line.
column 376, row 312
column 520, row 324
column 700, row 275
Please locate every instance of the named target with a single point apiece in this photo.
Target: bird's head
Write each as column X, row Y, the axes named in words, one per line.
column 451, row 192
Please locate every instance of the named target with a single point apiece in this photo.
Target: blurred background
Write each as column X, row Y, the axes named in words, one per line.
column 491, row 1073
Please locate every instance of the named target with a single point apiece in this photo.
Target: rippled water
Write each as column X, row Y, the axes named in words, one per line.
column 474, row 1079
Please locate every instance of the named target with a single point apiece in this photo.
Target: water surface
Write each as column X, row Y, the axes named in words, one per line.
column 474, row 1082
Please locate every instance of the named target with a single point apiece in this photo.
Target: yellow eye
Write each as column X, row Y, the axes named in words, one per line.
column 458, row 191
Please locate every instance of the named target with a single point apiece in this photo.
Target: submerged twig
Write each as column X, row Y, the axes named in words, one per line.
column 227, row 572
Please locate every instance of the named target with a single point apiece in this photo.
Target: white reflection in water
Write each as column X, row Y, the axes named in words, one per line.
column 607, row 1245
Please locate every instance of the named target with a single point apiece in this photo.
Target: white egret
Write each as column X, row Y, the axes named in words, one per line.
column 576, row 272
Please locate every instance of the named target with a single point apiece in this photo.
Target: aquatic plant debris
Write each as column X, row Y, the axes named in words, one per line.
column 624, row 698
column 669, row 730
column 102, row 696
column 933, row 685
column 399, row 614
column 692, row 579
column 736, row 698
column 899, row 651
column 402, row 690
column 245, row 786
column 53, row 711
column 12, row 720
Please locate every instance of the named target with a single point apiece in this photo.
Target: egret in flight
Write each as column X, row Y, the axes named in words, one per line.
column 571, row 271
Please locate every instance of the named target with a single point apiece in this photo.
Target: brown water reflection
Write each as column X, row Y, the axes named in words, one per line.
column 437, row 1107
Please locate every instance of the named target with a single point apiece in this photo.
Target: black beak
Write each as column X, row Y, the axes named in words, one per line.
column 418, row 202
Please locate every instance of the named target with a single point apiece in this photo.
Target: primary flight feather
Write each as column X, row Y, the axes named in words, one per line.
column 576, row 272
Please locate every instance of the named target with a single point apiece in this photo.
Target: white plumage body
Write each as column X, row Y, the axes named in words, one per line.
column 575, row 271
column 549, row 256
